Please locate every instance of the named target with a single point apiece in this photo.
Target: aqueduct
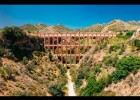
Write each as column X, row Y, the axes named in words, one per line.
column 67, row 46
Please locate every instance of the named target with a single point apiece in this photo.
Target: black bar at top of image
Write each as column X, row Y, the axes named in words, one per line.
column 73, row 2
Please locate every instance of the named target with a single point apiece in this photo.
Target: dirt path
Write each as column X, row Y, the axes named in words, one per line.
column 70, row 85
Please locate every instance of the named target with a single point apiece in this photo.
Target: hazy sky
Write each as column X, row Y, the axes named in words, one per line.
column 72, row 16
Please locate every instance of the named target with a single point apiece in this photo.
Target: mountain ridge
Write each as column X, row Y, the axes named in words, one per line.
column 116, row 25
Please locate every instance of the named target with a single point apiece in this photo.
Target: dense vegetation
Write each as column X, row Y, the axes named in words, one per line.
column 13, row 33
column 127, row 34
column 124, row 67
column 16, row 40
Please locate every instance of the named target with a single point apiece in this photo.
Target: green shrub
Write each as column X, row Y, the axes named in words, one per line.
column 80, row 76
column 50, row 56
column 116, row 47
column 128, row 34
column 108, row 60
column 78, row 83
column 88, row 90
column 94, row 86
column 137, row 44
column 128, row 63
column 61, row 68
column 87, row 68
column 7, row 53
column 121, row 51
column 8, row 72
column 3, row 73
column 118, row 75
column 100, row 84
column 113, row 48
column 97, row 68
column 124, row 66
column 54, row 90
column 38, row 53
column 13, row 33
column 62, row 84
column 122, row 47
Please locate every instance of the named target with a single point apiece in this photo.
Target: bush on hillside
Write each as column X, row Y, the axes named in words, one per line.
column 61, row 68
column 128, row 34
column 13, row 33
column 136, row 43
column 39, row 53
column 8, row 72
column 110, row 60
column 3, row 73
column 80, row 75
column 113, row 48
column 124, row 66
column 50, row 56
column 122, row 50
column 94, row 86
column 97, row 68
column 116, row 47
column 78, row 83
column 7, row 53
column 54, row 90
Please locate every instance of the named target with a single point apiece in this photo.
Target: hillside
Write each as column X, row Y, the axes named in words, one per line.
column 118, row 25
column 109, row 68
column 134, row 23
column 35, row 77
column 114, row 26
column 29, row 28
column 40, row 26
column 62, row 28
column 93, row 28
column 26, row 69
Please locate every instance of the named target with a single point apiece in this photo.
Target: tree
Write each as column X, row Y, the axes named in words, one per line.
column 13, row 33
column 137, row 44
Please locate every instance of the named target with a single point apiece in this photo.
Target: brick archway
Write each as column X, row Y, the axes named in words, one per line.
column 57, row 42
